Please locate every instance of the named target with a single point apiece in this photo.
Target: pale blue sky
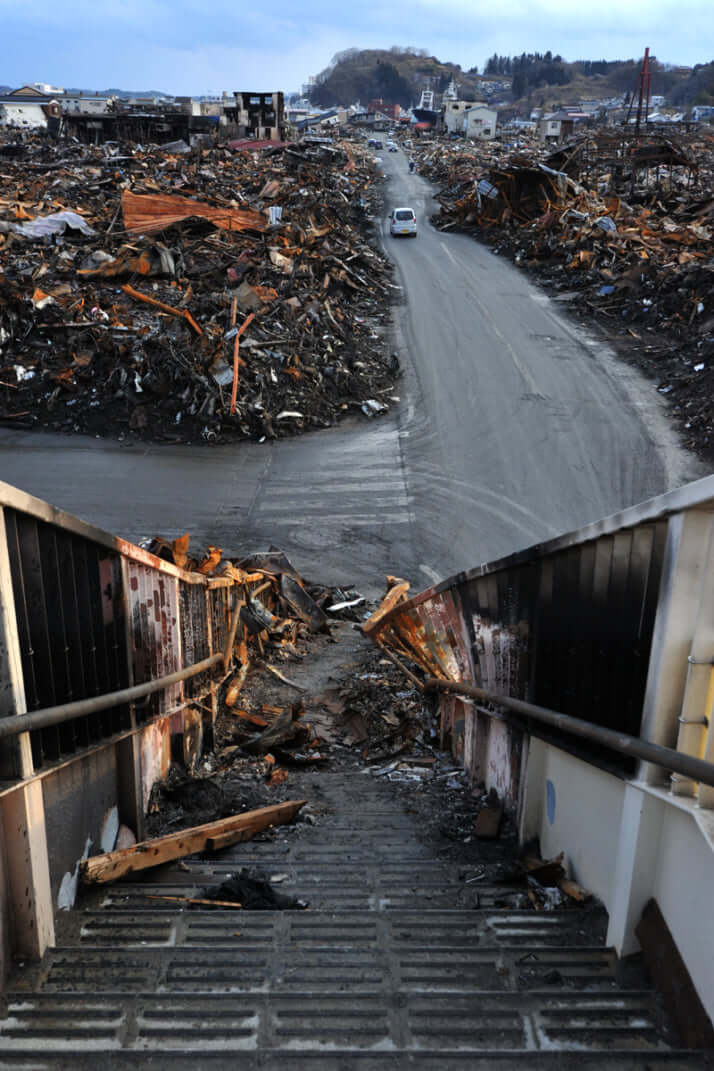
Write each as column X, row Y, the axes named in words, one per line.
column 184, row 46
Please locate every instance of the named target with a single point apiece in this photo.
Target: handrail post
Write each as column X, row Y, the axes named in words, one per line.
column 22, row 814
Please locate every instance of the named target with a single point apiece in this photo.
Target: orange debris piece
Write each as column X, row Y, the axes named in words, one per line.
column 150, row 213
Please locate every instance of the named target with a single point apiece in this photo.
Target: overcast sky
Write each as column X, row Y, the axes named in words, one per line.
column 189, row 46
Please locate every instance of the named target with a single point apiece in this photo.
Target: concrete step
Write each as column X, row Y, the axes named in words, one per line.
column 413, row 1021
column 404, row 959
column 143, row 921
column 303, row 957
column 228, row 1058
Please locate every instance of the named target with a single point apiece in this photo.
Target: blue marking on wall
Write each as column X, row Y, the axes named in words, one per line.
column 550, row 801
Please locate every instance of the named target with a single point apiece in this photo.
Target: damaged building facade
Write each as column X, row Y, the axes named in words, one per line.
column 259, row 115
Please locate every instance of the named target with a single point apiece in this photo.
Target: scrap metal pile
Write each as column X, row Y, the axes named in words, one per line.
column 189, row 295
column 622, row 233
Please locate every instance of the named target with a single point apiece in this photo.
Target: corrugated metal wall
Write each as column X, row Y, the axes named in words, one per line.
column 88, row 614
column 567, row 626
column 70, row 611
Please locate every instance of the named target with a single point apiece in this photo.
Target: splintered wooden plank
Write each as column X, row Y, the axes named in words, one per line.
column 397, row 593
column 113, row 865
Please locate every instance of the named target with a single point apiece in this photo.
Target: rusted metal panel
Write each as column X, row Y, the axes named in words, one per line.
column 155, row 756
column 153, row 607
column 96, row 614
column 92, row 616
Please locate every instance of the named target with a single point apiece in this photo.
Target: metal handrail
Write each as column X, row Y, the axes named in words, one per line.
column 687, row 765
column 13, row 725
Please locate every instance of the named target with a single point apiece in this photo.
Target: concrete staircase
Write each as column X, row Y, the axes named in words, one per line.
column 400, row 962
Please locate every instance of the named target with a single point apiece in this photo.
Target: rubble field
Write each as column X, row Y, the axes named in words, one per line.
column 619, row 230
column 185, row 295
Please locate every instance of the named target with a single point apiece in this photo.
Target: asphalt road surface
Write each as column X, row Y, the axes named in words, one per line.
column 515, row 425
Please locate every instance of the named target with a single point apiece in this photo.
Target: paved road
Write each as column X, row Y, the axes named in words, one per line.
column 515, row 425
column 520, row 425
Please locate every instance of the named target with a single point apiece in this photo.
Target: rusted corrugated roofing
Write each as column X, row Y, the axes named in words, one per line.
column 252, row 143
column 149, row 213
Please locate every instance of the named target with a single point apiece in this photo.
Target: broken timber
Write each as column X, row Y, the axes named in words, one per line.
column 113, row 865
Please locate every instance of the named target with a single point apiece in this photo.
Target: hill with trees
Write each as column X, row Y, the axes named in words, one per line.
column 396, row 75
column 698, row 88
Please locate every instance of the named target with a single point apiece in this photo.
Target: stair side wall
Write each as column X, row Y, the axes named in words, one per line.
column 5, row 950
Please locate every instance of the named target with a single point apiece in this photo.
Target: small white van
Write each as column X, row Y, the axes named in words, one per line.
column 403, row 221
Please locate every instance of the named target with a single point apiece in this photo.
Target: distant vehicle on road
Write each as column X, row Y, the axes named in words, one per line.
column 378, row 145
column 403, row 221
column 393, row 148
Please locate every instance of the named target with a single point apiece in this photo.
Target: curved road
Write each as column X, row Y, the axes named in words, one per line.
column 520, row 424
column 514, row 426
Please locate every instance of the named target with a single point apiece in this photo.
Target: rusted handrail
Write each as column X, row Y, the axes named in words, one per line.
column 676, row 761
column 13, row 725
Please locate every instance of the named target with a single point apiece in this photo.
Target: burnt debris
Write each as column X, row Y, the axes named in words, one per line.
column 207, row 295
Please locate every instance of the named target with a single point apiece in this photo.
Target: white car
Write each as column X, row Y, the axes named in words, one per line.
column 403, row 221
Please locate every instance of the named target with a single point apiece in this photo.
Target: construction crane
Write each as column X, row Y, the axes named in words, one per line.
column 643, row 95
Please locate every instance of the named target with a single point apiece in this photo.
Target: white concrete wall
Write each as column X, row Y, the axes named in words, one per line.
column 684, row 890
column 626, row 843
column 481, row 123
column 23, row 115
column 583, row 819
column 86, row 105
column 454, row 115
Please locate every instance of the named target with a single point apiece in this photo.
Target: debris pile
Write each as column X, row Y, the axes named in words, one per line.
column 356, row 708
column 622, row 234
column 195, row 296
column 278, row 723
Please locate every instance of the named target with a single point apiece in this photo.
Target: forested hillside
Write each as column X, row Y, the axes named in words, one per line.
column 398, row 75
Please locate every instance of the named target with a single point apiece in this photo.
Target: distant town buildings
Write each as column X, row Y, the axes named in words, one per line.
column 262, row 116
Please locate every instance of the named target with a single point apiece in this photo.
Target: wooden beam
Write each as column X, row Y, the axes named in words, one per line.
column 113, row 865
column 227, row 840
column 397, row 593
